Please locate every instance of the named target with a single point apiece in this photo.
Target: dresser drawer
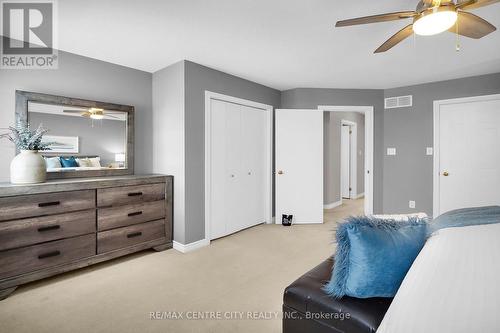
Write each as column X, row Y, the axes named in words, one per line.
column 45, row 204
column 36, row 257
column 122, row 216
column 118, row 196
column 36, row 230
column 123, row 237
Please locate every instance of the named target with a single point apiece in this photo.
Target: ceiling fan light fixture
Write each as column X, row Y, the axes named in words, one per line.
column 96, row 113
column 97, row 116
column 435, row 21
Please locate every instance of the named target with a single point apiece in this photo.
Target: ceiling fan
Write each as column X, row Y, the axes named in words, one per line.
column 432, row 17
column 94, row 113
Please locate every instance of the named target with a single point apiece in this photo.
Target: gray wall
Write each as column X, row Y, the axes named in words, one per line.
column 310, row 98
column 331, row 161
column 179, row 140
column 408, row 175
column 105, row 139
column 198, row 79
column 179, row 123
column 85, row 78
column 168, row 140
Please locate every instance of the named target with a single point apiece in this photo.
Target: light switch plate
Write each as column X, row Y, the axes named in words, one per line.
column 391, row 151
column 429, row 151
column 411, row 204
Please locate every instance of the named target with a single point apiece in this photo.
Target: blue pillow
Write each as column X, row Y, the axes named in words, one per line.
column 374, row 255
column 465, row 217
column 68, row 162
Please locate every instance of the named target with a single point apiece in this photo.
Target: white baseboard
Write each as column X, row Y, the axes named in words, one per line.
column 332, row 205
column 185, row 248
column 358, row 196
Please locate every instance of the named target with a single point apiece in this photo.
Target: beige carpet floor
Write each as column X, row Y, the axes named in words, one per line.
column 241, row 273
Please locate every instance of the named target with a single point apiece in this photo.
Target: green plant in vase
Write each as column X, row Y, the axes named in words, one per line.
column 28, row 167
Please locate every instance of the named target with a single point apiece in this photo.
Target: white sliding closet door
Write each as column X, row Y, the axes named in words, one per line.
column 253, row 180
column 238, row 167
column 220, row 177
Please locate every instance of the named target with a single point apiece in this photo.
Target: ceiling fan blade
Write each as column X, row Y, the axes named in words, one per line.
column 376, row 18
column 396, row 39
column 73, row 111
column 473, row 4
column 472, row 26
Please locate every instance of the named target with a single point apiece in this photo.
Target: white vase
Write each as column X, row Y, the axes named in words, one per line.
column 28, row 168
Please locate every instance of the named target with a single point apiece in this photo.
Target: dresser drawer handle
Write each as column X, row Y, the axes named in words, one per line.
column 135, row 213
column 48, row 228
column 134, row 194
column 49, row 254
column 47, row 204
column 134, row 234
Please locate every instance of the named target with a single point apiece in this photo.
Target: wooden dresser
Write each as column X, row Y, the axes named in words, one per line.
column 61, row 225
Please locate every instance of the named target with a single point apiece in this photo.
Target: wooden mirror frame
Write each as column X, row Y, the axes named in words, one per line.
column 24, row 97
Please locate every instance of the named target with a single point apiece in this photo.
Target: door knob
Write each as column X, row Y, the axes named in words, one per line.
column 280, row 172
column 446, row 174
column 232, row 176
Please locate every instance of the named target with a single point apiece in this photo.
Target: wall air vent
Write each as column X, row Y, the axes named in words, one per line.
column 398, row 102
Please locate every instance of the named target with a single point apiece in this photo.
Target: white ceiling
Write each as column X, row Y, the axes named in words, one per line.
column 279, row 43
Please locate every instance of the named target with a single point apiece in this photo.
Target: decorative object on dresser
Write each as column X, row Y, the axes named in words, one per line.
column 62, row 225
column 28, row 167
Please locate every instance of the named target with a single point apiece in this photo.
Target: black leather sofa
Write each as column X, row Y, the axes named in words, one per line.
column 308, row 309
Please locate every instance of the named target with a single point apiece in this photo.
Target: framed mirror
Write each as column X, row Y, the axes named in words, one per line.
column 88, row 138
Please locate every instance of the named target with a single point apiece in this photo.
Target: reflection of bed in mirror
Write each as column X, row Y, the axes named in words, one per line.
column 84, row 163
column 82, row 139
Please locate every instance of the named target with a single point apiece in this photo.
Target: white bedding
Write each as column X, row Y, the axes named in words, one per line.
column 453, row 285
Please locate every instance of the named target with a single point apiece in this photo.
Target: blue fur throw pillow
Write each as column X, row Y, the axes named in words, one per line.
column 373, row 256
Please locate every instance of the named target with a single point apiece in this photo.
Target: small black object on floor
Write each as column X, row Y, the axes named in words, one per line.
column 286, row 220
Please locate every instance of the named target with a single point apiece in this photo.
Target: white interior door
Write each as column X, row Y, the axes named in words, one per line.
column 238, row 164
column 299, row 165
column 469, row 156
column 345, row 161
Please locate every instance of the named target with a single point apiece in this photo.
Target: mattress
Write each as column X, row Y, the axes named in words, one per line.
column 453, row 285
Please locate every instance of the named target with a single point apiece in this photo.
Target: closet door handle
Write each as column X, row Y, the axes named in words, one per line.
column 134, row 194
